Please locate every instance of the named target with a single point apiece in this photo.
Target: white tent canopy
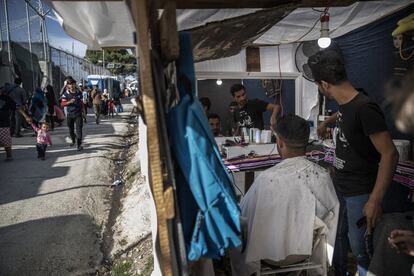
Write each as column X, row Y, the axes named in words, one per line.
column 101, row 24
column 96, row 24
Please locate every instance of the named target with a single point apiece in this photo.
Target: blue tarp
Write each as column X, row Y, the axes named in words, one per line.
column 207, row 201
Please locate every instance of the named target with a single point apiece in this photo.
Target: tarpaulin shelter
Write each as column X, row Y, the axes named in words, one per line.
column 221, row 31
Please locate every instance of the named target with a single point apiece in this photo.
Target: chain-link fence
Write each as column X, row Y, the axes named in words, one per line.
column 25, row 51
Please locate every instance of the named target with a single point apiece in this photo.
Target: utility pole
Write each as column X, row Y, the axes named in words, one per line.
column 8, row 40
column 30, row 46
column 103, row 60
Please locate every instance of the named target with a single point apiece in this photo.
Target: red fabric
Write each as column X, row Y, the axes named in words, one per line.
column 59, row 113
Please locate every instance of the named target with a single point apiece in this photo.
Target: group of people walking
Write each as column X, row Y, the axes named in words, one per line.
column 42, row 110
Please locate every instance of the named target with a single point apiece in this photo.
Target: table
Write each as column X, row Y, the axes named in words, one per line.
column 404, row 173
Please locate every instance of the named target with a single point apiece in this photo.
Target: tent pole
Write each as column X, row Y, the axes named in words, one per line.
column 139, row 11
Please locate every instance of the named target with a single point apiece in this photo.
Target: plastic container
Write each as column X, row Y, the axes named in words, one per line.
column 257, row 136
column 403, row 148
column 266, row 136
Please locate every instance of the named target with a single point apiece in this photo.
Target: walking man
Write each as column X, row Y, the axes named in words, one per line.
column 72, row 100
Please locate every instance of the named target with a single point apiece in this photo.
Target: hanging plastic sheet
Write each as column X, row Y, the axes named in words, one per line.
column 206, row 197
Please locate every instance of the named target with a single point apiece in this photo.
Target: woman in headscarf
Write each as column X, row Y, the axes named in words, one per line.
column 51, row 102
column 38, row 106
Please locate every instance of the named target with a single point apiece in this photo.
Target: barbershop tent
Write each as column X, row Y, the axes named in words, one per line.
column 220, row 32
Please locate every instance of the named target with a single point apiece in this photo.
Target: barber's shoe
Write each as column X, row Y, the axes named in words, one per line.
column 80, row 147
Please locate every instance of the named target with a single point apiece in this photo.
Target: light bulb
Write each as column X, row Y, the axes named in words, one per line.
column 324, row 42
column 219, row 82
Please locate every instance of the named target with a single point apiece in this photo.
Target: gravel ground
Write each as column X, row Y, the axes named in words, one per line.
column 53, row 212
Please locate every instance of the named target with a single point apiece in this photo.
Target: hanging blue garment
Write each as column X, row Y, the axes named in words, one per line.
column 207, row 201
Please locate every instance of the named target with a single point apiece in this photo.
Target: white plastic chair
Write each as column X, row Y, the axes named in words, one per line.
column 315, row 264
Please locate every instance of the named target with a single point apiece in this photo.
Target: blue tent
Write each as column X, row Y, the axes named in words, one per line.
column 207, row 201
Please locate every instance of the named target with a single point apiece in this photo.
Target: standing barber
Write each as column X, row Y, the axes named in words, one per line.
column 365, row 156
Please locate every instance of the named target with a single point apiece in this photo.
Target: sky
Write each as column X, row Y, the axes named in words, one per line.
column 19, row 33
column 59, row 39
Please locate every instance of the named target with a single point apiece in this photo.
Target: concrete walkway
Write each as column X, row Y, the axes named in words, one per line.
column 53, row 211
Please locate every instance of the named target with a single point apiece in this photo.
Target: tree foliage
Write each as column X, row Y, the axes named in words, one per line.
column 124, row 62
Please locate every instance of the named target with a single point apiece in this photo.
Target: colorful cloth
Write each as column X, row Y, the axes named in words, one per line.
column 5, row 137
column 38, row 106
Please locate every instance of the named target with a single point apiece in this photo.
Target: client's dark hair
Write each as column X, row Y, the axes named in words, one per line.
column 328, row 65
column 294, row 130
column 213, row 116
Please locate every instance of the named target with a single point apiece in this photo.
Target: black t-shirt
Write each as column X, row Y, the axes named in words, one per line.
column 356, row 159
column 251, row 114
column 74, row 109
column 6, row 105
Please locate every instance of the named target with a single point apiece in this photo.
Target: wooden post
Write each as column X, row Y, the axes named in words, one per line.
column 139, row 10
column 170, row 47
column 252, row 59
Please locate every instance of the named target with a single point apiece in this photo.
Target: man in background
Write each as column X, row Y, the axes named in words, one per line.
column 215, row 126
column 250, row 112
column 72, row 99
column 96, row 102
column 19, row 96
column 206, row 103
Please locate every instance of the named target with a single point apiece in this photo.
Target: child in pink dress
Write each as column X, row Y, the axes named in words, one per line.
column 43, row 139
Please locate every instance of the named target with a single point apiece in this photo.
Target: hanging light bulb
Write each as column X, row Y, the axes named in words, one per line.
column 219, row 82
column 324, row 41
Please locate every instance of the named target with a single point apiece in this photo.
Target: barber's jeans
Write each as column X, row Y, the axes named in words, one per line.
column 354, row 208
column 340, row 256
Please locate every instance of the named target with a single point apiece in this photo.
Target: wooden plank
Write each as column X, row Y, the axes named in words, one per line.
column 170, row 47
column 252, row 59
column 139, row 13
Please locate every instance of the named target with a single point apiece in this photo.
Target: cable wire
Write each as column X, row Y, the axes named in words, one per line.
column 234, row 183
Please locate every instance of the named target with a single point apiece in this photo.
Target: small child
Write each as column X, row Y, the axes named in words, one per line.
column 111, row 107
column 43, row 139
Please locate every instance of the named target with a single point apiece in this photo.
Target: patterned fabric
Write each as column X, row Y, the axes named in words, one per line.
column 5, row 137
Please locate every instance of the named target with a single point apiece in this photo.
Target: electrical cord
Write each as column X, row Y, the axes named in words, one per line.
column 313, row 27
column 401, row 54
column 280, row 82
column 234, row 183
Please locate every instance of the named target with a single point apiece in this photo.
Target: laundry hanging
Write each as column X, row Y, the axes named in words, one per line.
column 206, row 197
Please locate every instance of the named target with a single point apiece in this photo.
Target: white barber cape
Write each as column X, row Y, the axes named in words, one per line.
column 280, row 210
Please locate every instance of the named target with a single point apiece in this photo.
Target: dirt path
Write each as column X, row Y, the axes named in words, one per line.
column 53, row 211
